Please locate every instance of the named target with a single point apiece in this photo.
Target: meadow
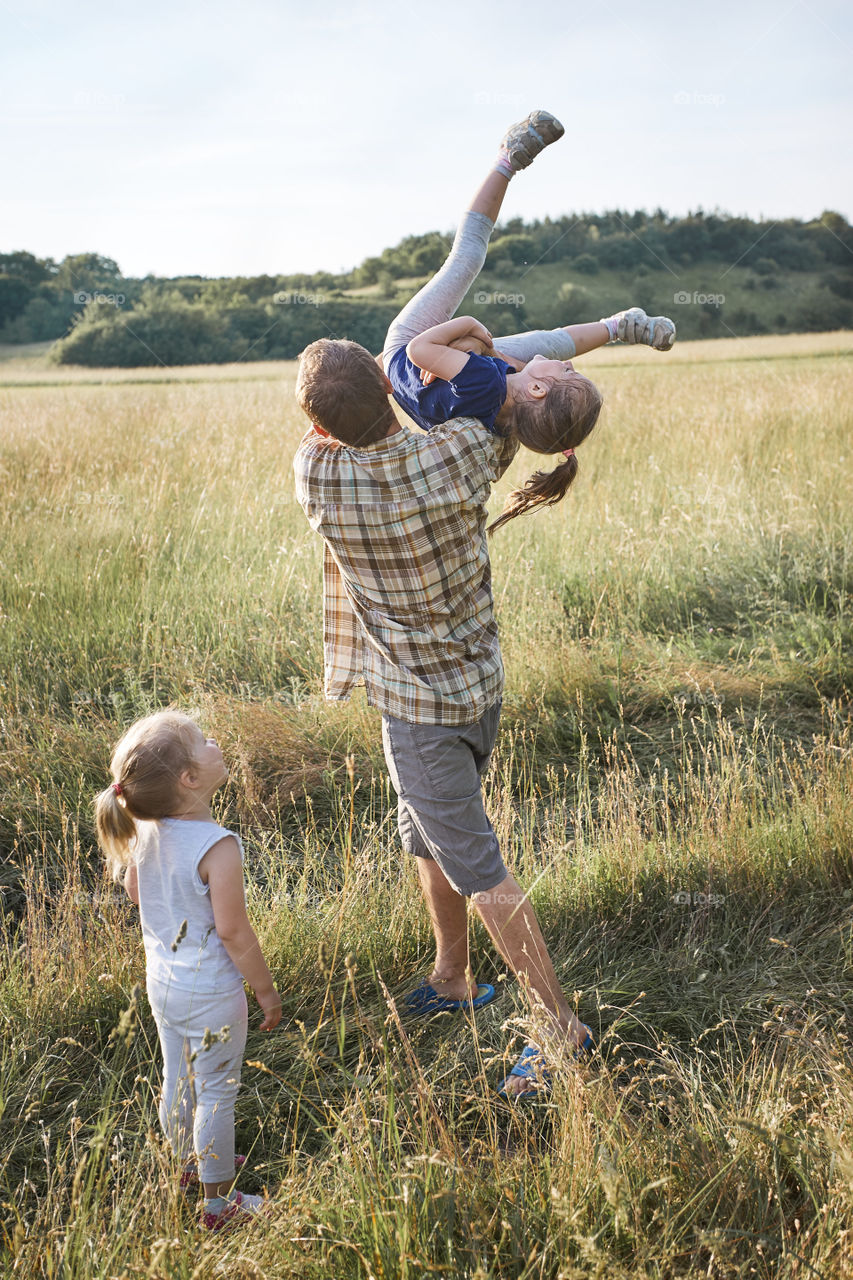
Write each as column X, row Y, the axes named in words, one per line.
column 674, row 777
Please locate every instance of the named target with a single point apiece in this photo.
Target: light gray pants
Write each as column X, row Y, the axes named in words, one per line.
column 440, row 297
column 200, row 1084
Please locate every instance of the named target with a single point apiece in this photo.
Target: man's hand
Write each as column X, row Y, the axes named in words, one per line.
column 443, row 350
column 480, row 332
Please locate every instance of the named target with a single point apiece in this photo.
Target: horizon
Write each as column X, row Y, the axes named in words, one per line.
column 694, row 213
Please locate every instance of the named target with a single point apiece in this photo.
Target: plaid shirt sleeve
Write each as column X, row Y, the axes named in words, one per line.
column 505, row 450
column 407, row 605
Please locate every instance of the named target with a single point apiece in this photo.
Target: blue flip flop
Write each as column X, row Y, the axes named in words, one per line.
column 425, row 1000
column 531, row 1065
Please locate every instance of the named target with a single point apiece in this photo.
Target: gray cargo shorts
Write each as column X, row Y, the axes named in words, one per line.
column 436, row 771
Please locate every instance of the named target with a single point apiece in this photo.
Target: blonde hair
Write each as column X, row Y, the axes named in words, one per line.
column 146, row 766
column 561, row 420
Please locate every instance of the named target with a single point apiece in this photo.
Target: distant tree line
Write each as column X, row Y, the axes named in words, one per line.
column 100, row 317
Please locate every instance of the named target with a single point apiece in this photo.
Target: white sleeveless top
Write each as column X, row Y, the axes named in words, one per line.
column 171, row 892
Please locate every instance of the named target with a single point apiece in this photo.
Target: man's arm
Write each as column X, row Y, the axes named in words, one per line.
column 506, row 447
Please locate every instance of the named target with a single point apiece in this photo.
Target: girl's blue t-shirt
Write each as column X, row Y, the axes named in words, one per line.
column 477, row 391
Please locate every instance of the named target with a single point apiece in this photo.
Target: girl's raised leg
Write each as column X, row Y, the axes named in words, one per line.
column 440, row 297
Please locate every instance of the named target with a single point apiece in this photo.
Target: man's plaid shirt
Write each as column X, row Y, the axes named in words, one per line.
column 407, row 594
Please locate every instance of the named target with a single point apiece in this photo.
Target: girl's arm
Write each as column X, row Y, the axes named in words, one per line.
column 222, row 871
column 431, row 350
column 131, row 883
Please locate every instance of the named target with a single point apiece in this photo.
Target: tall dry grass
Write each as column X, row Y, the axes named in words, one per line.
column 673, row 779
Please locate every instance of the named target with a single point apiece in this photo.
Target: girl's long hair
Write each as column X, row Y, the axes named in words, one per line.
column 561, row 420
column 146, row 766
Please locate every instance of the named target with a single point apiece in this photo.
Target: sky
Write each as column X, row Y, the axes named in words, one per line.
column 223, row 139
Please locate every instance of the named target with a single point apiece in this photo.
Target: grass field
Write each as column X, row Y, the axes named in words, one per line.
column 674, row 774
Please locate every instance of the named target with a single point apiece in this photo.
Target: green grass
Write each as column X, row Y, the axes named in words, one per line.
column 673, row 779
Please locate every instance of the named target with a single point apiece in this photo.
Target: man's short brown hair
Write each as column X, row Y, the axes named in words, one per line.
column 341, row 388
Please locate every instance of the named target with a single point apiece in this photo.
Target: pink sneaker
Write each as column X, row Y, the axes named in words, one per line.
column 240, row 1209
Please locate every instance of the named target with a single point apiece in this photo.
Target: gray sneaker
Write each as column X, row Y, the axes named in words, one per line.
column 652, row 331
column 524, row 141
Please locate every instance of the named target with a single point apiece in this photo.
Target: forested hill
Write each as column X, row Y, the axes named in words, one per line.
column 715, row 275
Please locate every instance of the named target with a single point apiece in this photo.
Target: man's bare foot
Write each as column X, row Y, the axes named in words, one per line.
column 455, row 987
column 531, row 1073
column 437, row 995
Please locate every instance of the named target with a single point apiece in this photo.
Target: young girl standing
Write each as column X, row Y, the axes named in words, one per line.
column 184, row 872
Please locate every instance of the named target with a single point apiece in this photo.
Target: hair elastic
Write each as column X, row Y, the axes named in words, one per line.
column 570, row 453
column 117, row 788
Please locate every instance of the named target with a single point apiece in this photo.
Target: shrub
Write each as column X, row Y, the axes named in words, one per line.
column 574, row 296
column 167, row 335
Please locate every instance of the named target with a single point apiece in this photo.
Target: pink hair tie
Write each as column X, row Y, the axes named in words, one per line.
column 117, row 788
column 570, row 453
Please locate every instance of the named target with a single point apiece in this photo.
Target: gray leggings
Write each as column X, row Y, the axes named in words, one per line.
column 197, row 1098
column 440, row 297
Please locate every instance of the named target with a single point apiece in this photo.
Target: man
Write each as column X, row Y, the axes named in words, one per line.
column 408, row 612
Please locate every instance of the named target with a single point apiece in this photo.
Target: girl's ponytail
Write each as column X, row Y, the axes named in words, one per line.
column 560, row 421
column 542, row 489
column 147, row 765
column 115, row 827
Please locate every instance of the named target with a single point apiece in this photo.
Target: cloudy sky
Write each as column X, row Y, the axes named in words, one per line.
column 220, row 139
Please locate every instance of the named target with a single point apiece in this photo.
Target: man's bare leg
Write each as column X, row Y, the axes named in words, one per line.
column 512, row 924
column 448, row 910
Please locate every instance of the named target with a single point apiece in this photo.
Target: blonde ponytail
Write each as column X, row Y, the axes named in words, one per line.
column 116, row 830
column 147, row 765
